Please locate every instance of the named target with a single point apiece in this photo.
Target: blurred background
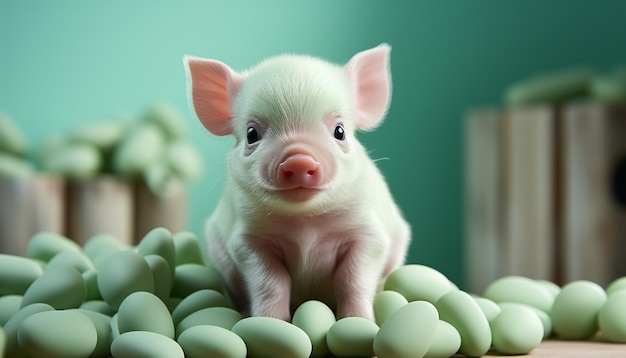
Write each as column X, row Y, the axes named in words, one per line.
column 67, row 62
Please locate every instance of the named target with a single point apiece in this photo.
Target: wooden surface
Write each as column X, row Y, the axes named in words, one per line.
column 575, row 349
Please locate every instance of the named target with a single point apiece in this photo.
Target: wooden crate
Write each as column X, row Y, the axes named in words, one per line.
column 540, row 193
column 510, row 197
column 81, row 209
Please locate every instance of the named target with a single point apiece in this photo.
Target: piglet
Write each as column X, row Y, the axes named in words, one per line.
column 305, row 213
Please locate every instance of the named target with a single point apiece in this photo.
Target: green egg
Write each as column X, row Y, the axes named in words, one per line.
column 100, row 247
column 162, row 276
column 142, row 147
column 61, row 287
column 197, row 301
column 90, row 277
column 12, row 139
column 612, row 317
column 446, row 341
column 408, row 332
column 75, row 160
column 142, row 344
column 167, row 118
column 123, row 273
column 172, row 303
column 418, row 282
column 211, row 341
column 13, row 349
column 103, row 135
column 183, row 159
column 315, row 318
column 520, row 289
column 212, row 316
column 386, row 303
column 608, row 89
column 9, row 305
column 189, row 278
column 162, row 180
column 57, row 334
column 102, row 323
column 115, row 330
column 143, row 311
column 615, row 286
column 51, row 144
column 74, row 259
column 552, row 287
column 461, row 310
column 159, row 241
column 545, row 319
column 3, row 341
column 98, row 306
column 352, row 337
column 271, row 337
column 575, row 310
column 45, row 245
column 187, row 249
column 516, row 330
column 489, row 308
column 554, row 87
column 13, row 167
column 17, row 274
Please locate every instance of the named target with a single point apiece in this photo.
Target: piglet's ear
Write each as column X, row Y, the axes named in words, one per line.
column 212, row 87
column 370, row 79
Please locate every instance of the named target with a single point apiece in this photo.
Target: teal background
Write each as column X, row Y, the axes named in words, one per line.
column 66, row 62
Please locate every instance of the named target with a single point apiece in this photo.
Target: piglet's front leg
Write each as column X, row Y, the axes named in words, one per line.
column 359, row 270
column 268, row 286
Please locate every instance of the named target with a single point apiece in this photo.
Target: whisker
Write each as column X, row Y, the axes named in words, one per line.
column 379, row 159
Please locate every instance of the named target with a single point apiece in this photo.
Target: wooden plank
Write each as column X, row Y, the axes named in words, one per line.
column 29, row 205
column 594, row 219
column 527, row 246
column 48, row 204
column 14, row 214
column 483, row 204
column 102, row 205
column 152, row 211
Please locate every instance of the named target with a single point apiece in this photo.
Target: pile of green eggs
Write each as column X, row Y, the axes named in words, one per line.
column 579, row 83
column 13, row 149
column 154, row 148
column 162, row 299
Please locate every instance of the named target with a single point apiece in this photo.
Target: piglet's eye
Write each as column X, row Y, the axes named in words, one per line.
column 253, row 135
column 340, row 133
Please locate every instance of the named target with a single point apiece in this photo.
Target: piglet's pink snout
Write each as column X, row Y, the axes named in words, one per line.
column 299, row 171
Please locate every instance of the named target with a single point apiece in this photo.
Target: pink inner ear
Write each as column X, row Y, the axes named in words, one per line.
column 213, row 87
column 368, row 73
